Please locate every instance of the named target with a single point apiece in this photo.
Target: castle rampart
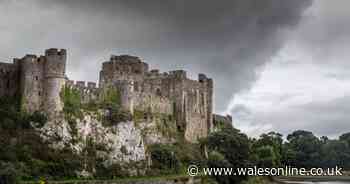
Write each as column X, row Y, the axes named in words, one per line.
column 87, row 90
column 40, row 79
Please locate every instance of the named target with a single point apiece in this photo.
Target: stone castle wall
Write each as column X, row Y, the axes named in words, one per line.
column 40, row 79
column 9, row 77
column 189, row 101
column 88, row 91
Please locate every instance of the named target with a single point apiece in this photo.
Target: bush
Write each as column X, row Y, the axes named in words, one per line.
column 115, row 116
column 164, row 159
column 72, row 102
column 39, row 119
column 8, row 173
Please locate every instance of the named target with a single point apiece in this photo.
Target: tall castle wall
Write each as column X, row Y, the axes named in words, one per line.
column 189, row 101
column 9, row 77
column 38, row 81
column 87, row 90
column 31, row 81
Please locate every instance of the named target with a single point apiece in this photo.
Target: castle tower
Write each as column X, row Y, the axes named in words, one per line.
column 123, row 72
column 31, row 82
column 54, row 75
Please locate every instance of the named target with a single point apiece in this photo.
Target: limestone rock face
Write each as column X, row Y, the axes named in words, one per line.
column 124, row 140
column 123, row 143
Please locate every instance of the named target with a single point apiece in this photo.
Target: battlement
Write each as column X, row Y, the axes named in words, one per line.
column 40, row 79
column 55, row 52
column 7, row 67
column 181, row 74
column 30, row 56
column 125, row 59
column 81, row 84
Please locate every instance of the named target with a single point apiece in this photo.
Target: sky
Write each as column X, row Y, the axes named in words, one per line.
column 277, row 65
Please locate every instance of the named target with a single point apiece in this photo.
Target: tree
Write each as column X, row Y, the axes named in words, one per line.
column 234, row 148
column 266, row 157
column 270, row 142
column 306, row 147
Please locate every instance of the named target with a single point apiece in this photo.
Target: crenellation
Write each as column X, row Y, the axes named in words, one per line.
column 180, row 74
column 80, row 84
column 70, row 83
column 91, row 85
column 40, row 79
column 55, row 52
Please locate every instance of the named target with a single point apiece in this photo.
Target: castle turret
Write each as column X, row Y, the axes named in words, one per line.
column 55, row 67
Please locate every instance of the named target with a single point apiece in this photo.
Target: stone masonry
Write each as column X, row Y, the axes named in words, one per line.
column 38, row 81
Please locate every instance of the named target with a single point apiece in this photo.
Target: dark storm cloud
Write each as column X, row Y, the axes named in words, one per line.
column 325, row 33
column 228, row 39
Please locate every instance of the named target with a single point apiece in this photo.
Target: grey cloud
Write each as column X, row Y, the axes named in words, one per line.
column 324, row 33
column 323, row 118
column 229, row 40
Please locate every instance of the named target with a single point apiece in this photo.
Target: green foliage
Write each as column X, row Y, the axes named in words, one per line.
column 266, row 157
column 166, row 124
column 139, row 116
column 24, row 154
column 72, row 102
column 111, row 98
column 12, row 118
column 164, row 159
column 302, row 149
column 228, row 148
column 190, row 153
column 306, row 147
column 110, row 172
column 116, row 115
column 38, row 119
column 267, row 150
column 111, row 103
column 9, row 173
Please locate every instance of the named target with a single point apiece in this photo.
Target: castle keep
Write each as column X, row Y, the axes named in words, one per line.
column 39, row 81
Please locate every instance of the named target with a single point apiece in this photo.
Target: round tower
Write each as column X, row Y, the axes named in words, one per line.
column 55, row 69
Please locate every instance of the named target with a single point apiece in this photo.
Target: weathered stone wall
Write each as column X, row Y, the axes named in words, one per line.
column 88, row 90
column 189, row 101
column 220, row 121
column 31, row 82
column 9, row 77
column 37, row 79
column 54, row 73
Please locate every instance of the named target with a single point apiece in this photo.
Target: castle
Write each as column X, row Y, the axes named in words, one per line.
column 38, row 80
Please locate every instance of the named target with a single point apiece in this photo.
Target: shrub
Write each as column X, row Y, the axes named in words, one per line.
column 72, row 102
column 164, row 159
column 8, row 173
